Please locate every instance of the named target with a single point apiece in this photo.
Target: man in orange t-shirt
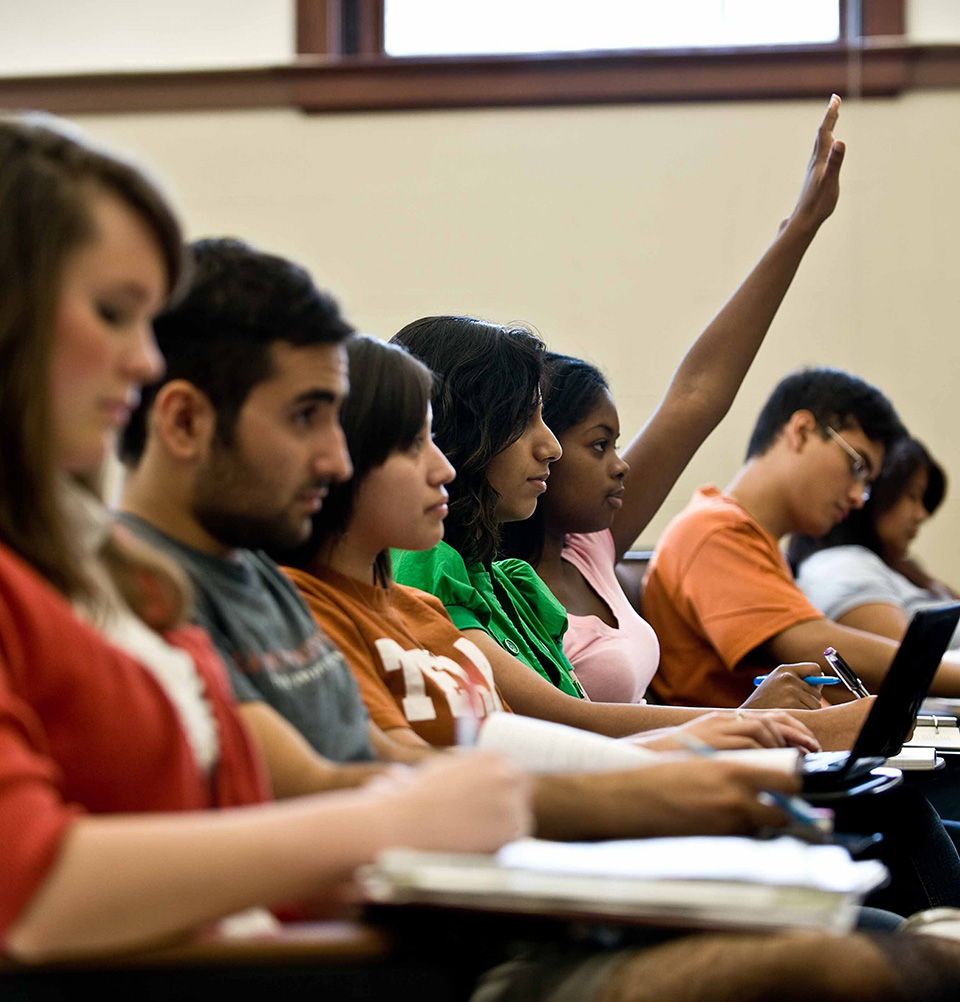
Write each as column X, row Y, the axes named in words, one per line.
column 718, row 591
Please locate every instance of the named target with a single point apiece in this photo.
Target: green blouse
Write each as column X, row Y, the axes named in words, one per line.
column 479, row 599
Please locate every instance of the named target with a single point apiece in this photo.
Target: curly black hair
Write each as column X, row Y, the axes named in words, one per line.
column 487, row 385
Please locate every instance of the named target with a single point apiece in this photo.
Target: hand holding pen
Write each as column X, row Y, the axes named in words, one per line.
column 805, row 821
column 792, row 687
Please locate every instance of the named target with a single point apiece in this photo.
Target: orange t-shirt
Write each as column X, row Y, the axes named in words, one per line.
column 716, row 589
column 414, row 667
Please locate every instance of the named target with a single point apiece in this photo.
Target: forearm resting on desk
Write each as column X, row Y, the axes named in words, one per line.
column 132, row 880
column 120, row 882
column 691, row 797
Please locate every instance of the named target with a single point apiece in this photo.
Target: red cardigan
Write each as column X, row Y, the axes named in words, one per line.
column 85, row 728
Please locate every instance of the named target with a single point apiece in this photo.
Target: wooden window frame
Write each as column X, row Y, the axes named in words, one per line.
column 372, row 80
column 341, row 67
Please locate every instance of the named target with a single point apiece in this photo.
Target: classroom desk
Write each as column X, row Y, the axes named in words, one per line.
column 293, row 942
column 344, row 961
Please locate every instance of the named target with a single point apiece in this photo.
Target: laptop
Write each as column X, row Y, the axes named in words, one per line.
column 895, row 710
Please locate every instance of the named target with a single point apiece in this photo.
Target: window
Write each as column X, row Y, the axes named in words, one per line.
column 476, row 27
column 355, row 55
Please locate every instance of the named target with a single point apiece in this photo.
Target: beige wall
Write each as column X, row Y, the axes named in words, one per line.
column 617, row 231
column 933, row 20
column 76, row 36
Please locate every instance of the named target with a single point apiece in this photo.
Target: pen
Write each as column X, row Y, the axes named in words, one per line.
column 797, row 809
column 809, row 679
column 847, row 675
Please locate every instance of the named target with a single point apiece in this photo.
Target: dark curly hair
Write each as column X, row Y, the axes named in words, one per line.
column 487, row 385
column 385, row 411
column 218, row 336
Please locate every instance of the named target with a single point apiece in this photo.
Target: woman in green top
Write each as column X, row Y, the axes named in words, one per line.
column 502, row 455
column 487, row 416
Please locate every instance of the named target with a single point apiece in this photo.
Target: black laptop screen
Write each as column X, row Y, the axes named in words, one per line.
column 906, row 683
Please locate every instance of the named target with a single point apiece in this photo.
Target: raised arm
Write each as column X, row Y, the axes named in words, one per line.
column 710, row 374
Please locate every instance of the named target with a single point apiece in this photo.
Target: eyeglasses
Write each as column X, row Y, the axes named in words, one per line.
column 859, row 467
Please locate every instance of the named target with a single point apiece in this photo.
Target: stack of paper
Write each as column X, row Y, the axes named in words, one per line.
column 543, row 746
column 731, row 883
column 915, row 758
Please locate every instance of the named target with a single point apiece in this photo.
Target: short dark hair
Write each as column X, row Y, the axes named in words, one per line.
column 834, row 398
column 385, row 411
column 218, row 336
column 488, row 384
column 572, row 388
column 904, row 459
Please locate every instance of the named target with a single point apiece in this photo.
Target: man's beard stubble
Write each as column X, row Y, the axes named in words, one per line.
column 233, row 504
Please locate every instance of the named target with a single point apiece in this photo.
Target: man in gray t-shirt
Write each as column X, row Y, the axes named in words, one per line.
column 271, row 644
column 231, row 454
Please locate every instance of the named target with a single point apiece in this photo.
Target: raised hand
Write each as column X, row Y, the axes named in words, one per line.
column 821, row 183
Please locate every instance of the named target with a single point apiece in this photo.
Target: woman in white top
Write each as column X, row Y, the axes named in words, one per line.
column 861, row 573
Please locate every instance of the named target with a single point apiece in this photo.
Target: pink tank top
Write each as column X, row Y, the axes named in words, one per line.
column 614, row 664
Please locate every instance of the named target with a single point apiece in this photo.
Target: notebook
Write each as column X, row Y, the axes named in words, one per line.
column 938, row 725
column 895, row 710
column 692, row 882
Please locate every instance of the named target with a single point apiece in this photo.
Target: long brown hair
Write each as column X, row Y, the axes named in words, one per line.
column 48, row 177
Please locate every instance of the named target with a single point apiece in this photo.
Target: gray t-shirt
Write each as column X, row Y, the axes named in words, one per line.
column 274, row 650
column 841, row 578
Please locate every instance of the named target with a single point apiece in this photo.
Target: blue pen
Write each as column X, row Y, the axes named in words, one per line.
column 809, row 679
column 817, row 819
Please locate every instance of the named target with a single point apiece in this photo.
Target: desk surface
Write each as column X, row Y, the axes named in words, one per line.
column 293, row 944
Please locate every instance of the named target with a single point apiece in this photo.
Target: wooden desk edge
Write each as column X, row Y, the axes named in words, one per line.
column 324, row 942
